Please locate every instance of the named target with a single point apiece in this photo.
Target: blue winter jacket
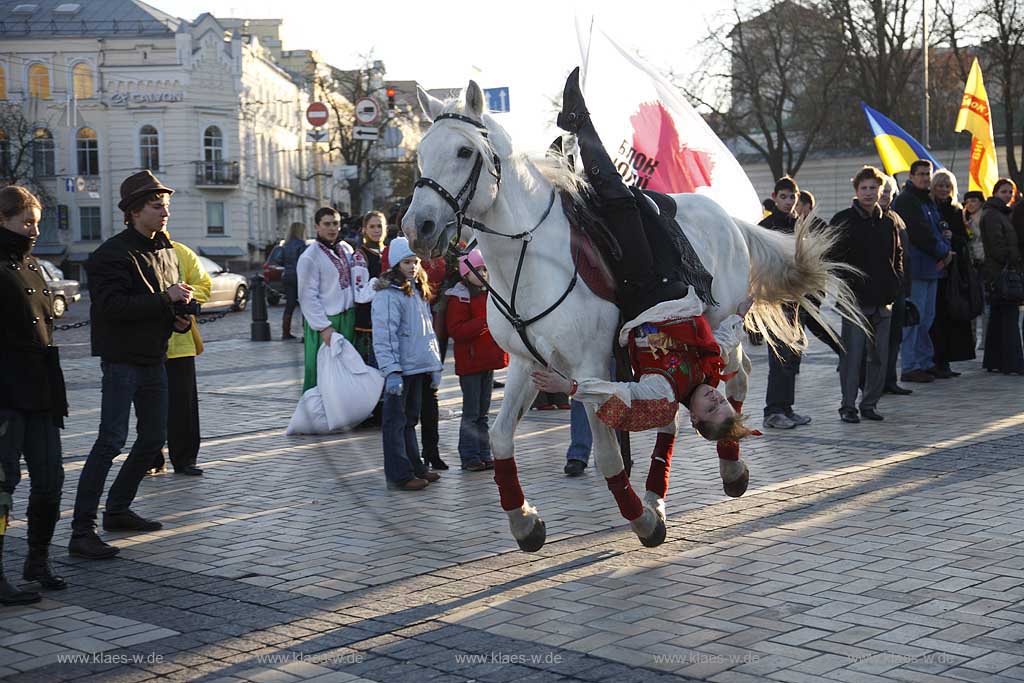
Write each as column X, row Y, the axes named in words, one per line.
column 927, row 245
column 403, row 332
column 289, row 257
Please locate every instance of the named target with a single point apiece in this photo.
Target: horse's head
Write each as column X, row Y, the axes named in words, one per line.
column 460, row 169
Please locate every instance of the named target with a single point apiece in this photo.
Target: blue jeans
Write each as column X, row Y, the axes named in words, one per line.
column 474, row 441
column 916, row 349
column 398, row 428
column 581, row 440
column 124, row 385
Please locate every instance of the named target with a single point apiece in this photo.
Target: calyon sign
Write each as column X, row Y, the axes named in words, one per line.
column 126, row 98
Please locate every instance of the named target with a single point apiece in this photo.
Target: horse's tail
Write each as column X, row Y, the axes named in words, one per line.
column 784, row 270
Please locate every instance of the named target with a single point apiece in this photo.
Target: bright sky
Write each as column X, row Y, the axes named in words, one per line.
column 527, row 45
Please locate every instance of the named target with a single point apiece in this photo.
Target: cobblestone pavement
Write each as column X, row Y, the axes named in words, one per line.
column 864, row 553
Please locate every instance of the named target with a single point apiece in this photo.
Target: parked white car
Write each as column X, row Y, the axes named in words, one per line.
column 229, row 289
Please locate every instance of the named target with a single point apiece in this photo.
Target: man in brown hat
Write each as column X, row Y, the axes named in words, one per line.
column 133, row 283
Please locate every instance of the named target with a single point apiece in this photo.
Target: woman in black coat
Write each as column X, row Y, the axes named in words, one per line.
column 33, row 402
column 953, row 340
column 1003, row 351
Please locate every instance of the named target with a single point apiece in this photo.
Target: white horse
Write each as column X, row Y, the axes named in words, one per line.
column 507, row 201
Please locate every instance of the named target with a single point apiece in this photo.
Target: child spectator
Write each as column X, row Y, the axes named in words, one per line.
column 477, row 356
column 407, row 354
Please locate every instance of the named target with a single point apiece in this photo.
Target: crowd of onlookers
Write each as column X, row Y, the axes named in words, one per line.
column 926, row 268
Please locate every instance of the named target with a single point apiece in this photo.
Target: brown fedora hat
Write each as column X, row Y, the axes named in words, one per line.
column 139, row 185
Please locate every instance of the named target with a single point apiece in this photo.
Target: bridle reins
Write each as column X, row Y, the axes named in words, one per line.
column 460, row 202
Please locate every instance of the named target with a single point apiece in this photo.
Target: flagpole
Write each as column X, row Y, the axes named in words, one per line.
column 924, row 46
column 586, row 58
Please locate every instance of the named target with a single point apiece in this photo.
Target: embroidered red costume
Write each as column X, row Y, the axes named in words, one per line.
column 673, row 350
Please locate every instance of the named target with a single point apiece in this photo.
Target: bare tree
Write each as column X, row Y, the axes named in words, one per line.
column 340, row 91
column 878, row 38
column 780, row 60
column 17, row 146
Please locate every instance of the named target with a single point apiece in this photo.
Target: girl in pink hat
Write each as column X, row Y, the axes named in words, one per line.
column 477, row 356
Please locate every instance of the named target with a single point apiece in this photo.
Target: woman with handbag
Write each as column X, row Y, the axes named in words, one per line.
column 1003, row 350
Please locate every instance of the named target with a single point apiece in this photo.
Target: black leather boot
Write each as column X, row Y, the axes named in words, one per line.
column 601, row 172
column 42, row 520
column 9, row 595
column 634, row 271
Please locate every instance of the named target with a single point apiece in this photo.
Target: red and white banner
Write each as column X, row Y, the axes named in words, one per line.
column 657, row 140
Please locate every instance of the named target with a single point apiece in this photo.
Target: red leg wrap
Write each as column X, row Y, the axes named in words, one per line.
column 507, row 478
column 629, row 503
column 661, row 460
column 728, row 450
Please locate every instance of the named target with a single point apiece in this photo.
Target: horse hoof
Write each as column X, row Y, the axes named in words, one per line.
column 657, row 537
column 534, row 541
column 737, row 488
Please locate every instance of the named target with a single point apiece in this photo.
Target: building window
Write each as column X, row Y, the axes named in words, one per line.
column 39, row 81
column 5, row 155
column 48, row 226
column 89, row 222
column 213, row 144
column 88, row 148
column 81, row 80
column 42, row 152
column 149, row 148
column 214, row 218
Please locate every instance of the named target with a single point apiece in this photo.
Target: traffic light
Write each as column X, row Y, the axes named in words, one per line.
column 391, row 98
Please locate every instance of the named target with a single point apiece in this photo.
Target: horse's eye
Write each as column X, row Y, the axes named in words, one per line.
column 465, row 152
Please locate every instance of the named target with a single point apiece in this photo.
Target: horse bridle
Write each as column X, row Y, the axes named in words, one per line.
column 465, row 196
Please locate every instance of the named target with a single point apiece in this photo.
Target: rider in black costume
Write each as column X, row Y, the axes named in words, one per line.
column 639, row 287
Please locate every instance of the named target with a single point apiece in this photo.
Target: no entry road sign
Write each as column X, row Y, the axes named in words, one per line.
column 317, row 114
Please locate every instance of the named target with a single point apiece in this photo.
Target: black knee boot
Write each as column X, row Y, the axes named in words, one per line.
column 9, row 595
column 634, row 271
column 43, row 515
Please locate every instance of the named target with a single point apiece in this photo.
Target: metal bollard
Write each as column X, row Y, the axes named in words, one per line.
column 258, row 303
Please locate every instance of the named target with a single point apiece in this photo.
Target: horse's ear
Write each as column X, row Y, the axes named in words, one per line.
column 431, row 106
column 474, row 100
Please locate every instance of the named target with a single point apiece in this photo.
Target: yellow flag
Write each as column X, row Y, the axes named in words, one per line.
column 976, row 117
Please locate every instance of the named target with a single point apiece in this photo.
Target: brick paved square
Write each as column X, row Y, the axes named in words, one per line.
column 811, row 575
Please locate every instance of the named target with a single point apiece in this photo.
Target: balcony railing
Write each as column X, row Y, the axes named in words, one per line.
column 217, row 174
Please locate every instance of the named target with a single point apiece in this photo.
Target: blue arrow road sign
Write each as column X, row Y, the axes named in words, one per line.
column 497, row 99
column 69, row 184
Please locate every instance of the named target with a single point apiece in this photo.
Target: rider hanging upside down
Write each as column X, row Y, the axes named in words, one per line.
column 676, row 357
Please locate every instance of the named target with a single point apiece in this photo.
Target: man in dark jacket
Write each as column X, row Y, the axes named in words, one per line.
column 132, row 282
column 33, row 403
column 929, row 254
column 783, row 363
column 868, row 241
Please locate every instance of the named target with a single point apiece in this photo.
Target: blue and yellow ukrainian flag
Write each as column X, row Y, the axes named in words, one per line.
column 895, row 146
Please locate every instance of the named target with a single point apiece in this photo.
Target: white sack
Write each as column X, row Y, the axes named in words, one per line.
column 347, row 391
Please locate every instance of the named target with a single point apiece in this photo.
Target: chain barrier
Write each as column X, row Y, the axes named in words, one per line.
column 213, row 318
column 82, row 323
column 70, row 326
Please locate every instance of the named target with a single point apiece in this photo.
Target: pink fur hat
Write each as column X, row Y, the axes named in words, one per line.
column 474, row 257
